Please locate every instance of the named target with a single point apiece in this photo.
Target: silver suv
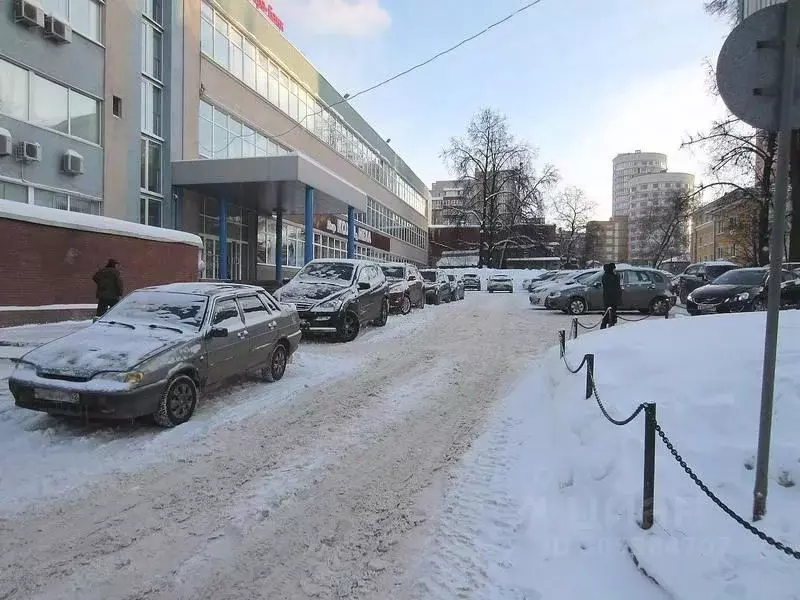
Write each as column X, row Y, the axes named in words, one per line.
column 643, row 289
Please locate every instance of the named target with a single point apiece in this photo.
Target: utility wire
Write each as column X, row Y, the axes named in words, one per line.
column 464, row 41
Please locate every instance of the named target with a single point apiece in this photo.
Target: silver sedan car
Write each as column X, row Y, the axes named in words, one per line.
column 153, row 352
column 500, row 283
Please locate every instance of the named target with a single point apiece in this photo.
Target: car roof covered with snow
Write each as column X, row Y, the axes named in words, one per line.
column 356, row 262
column 203, row 288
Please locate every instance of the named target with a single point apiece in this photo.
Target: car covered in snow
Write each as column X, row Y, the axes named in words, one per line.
column 742, row 290
column 643, row 289
column 406, row 289
column 154, row 351
column 437, row 286
column 500, row 283
column 337, row 297
column 566, row 279
column 472, row 281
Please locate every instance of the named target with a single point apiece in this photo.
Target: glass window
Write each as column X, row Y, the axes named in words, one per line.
column 236, row 53
column 261, row 75
column 50, row 199
column 206, row 130
column 248, row 142
column 81, row 205
column 49, row 104
column 207, row 30
column 13, row 192
column 226, row 314
column 150, row 211
column 151, row 51
column 86, row 17
column 58, row 8
column 151, row 165
column 13, row 91
column 249, row 64
column 221, row 40
column 235, row 139
column 254, row 310
column 154, row 10
column 84, row 117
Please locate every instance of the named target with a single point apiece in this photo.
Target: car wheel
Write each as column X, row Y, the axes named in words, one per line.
column 576, row 306
column 383, row 318
column 659, row 306
column 277, row 363
column 349, row 328
column 405, row 305
column 177, row 402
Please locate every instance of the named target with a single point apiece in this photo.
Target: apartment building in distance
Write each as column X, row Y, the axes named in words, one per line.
column 205, row 118
column 447, row 205
column 625, row 167
column 724, row 230
column 607, row 241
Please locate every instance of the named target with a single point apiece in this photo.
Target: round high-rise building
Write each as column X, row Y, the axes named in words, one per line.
column 627, row 166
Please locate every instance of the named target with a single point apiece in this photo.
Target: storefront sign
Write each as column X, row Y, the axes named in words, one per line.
column 266, row 9
column 337, row 226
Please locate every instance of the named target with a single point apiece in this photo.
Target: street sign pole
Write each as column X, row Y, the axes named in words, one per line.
column 785, row 106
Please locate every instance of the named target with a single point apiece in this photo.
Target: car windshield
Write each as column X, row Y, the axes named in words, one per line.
column 167, row 309
column 429, row 276
column 394, row 272
column 331, row 272
column 752, row 277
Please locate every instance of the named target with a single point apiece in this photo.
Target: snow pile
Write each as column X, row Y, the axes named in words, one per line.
column 547, row 503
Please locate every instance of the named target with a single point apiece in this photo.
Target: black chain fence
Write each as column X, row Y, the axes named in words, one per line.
column 591, row 390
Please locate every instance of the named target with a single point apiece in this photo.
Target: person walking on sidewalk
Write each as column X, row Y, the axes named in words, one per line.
column 109, row 286
column 612, row 295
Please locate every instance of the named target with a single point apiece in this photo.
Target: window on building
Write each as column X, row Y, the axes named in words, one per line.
column 13, row 192
column 84, row 117
column 14, row 91
column 236, row 54
column 152, row 106
column 150, row 211
column 150, row 162
column 154, row 10
column 116, row 106
column 152, row 48
column 84, row 16
column 221, row 48
column 64, row 201
column 49, row 104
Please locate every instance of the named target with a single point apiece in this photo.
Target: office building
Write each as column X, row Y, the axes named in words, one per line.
column 205, row 118
column 650, row 200
column 607, row 241
column 626, row 167
column 448, row 201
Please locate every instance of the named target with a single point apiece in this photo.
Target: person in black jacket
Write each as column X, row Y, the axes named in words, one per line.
column 109, row 286
column 612, row 295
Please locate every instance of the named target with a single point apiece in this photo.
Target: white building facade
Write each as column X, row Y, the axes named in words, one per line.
column 626, row 167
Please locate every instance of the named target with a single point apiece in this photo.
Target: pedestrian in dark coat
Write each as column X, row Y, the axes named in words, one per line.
column 612, row 295
column 109, row 286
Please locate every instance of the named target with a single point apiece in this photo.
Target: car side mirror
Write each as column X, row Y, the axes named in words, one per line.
column 217, row 332
column 363, row 285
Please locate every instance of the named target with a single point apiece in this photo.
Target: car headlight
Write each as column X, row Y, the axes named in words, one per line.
column 743, row 297
column 329, row 306
column 129, row 377
column 397, row 288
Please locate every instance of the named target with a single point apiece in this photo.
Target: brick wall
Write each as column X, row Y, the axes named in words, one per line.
column 40, row 264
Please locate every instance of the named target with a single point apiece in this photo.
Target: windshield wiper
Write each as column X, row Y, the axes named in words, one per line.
column 155, row 326
column 119, row 323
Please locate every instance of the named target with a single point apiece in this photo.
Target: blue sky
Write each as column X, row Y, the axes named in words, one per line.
column 581, row 80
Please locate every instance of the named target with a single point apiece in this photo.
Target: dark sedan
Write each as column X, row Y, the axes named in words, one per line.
column 741, row 290
column 338, row 297
column 406, row 289
column 152, row 352
column 472, row 281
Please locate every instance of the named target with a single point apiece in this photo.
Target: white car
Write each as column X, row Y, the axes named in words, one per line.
column 500, row 283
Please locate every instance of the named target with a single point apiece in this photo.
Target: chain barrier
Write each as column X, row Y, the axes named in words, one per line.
column 729, row 511
column 617, row 422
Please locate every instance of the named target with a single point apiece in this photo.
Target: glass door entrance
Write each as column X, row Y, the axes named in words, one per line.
column 237, row 263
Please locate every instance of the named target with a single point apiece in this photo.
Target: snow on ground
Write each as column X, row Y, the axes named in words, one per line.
column 546, row 504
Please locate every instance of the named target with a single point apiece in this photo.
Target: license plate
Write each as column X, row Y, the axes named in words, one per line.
column 706, row 308
column 57, row 396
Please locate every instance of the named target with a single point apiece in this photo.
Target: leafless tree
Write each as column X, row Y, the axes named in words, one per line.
column 741, row 158
column 723, row 8
column 571, row 210
column 502, row 188
column 664, row 229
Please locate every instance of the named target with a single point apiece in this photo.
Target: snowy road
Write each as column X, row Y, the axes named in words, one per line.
column 323, row 485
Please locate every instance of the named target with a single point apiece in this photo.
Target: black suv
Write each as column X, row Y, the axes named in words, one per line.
column 437, row 286
column 699, row 274
column 406, row 289
column 337, row 297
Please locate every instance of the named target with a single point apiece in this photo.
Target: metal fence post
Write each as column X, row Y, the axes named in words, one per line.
column 562, row 342
column 649, row 484
column 575, row 328
column 589, row 358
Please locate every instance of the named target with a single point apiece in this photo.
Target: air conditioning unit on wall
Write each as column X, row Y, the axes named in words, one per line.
column 29, row 14
column 57, row 30
column 6, row 143
column 72, row 163
column 29, row 152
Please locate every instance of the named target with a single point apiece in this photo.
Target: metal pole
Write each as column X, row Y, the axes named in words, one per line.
column 562, row 342
column 575, row 328
column 790, row 40
column 649, row 484
column 589, row 375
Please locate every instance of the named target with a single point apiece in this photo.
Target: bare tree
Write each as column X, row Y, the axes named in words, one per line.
column 740, row 157
column 664, row 229
column 502, row 189
column 571, row 211
column 723, row 8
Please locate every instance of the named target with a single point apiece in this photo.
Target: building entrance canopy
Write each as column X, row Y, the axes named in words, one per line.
column 292, row 184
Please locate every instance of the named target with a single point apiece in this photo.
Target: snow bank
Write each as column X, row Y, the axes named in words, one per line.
column 53, row 217
column 561, row 486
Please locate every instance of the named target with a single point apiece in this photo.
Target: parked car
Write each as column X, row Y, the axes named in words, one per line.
column 740, row 290
column 406, row 289
column 154, row 351
column 437, row 286
column 643, row 289
column 566, row 279
column 337, row 297
column 456, row 287
column 699, row 274
column 539, row 279
column 500, row 283
column 472, row 281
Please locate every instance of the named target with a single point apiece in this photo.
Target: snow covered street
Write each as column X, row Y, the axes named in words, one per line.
column 322, row 485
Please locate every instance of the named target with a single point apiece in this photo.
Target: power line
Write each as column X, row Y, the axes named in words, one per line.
column 424, row 63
